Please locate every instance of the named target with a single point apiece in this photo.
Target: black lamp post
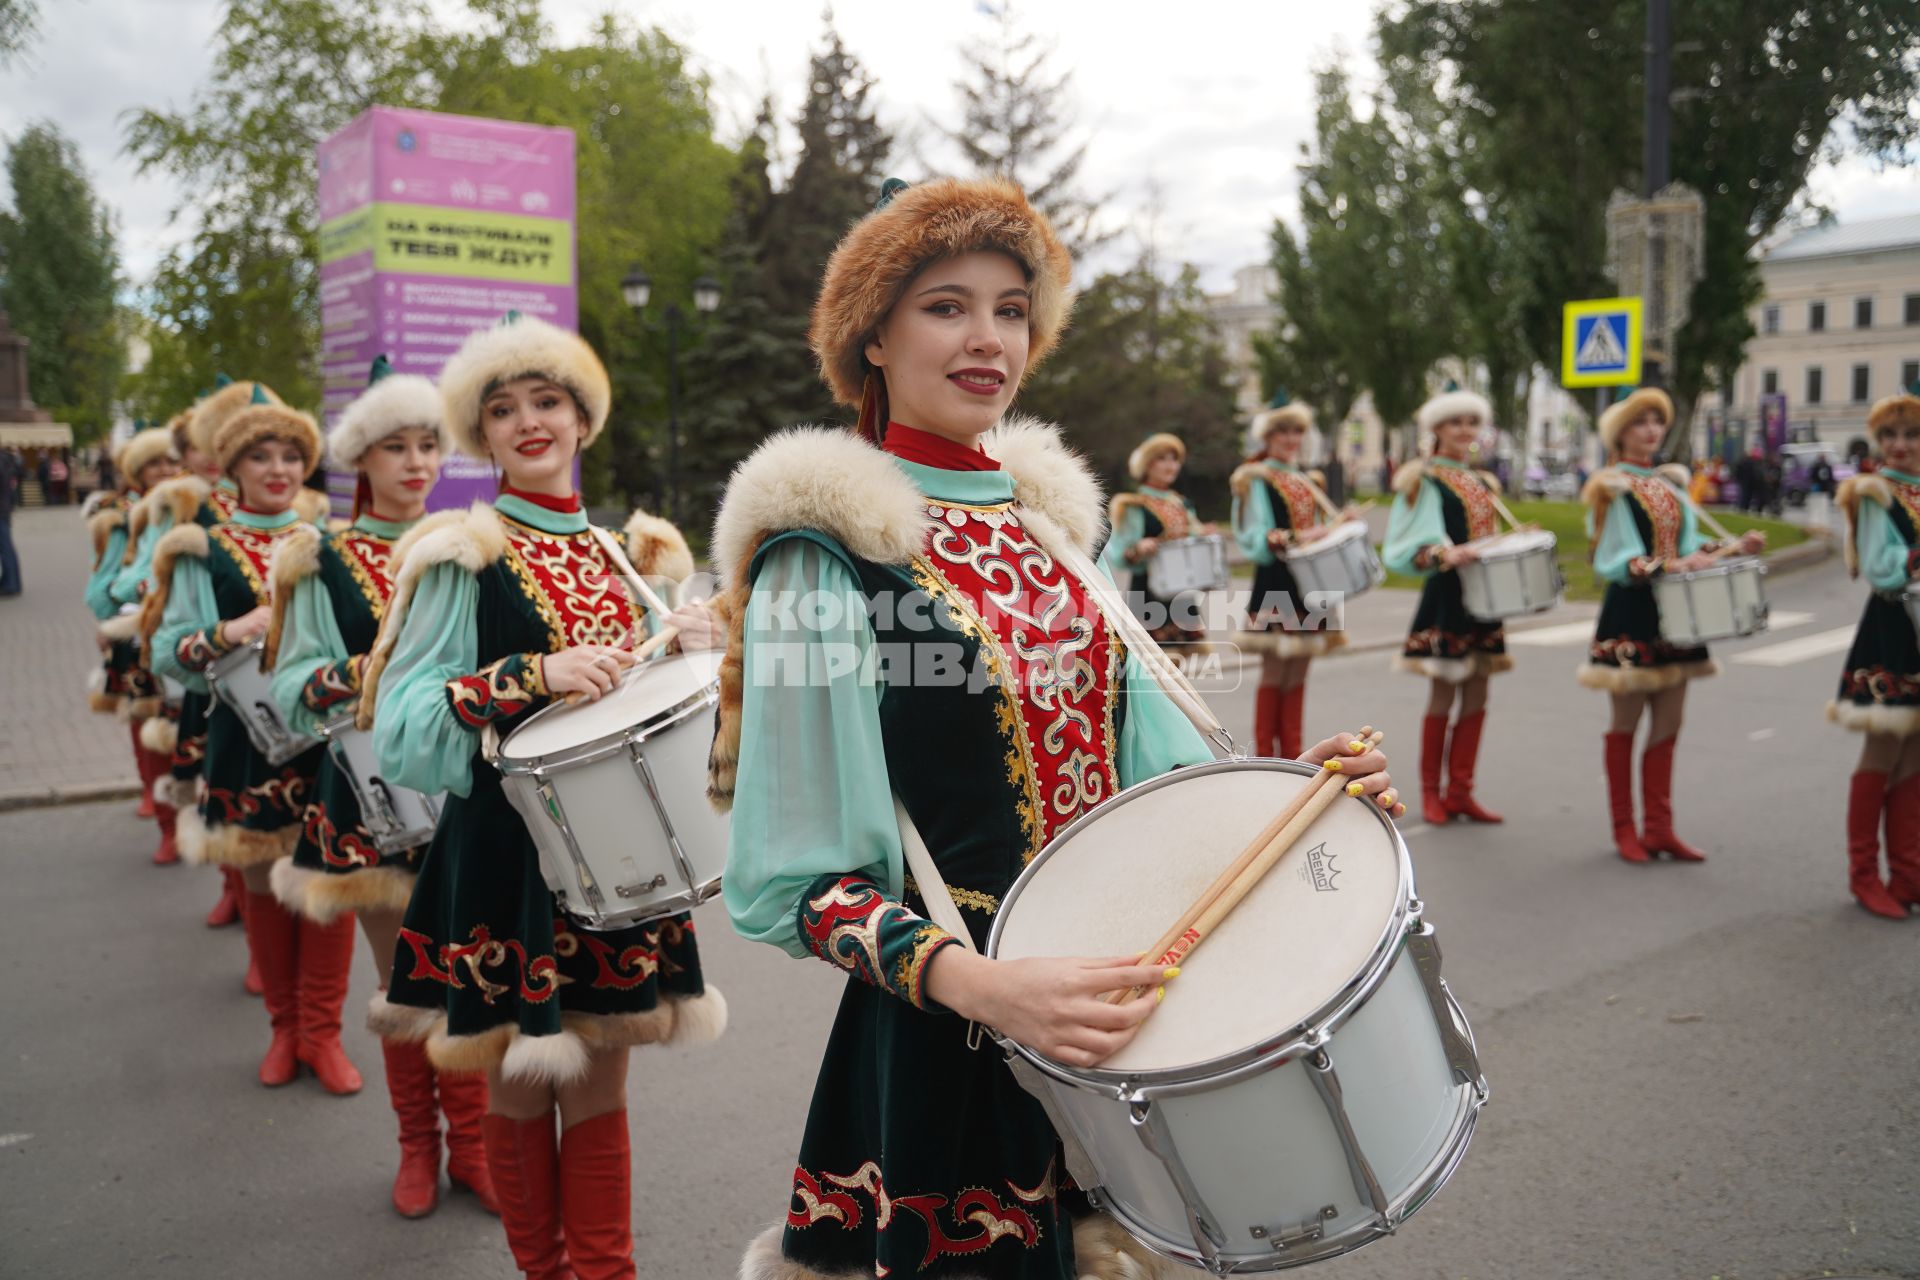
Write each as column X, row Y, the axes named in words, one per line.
column 637, row 290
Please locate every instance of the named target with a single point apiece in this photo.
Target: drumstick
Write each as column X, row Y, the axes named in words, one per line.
column 1169, row 947
column 653, row 645
column 1501, row 507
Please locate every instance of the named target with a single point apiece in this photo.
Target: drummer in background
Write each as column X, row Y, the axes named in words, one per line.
column 329, row 593
column 922, row 1156
column 1140, row 520
column 1641, row 526
column 1440, row 506
column 496, row 612
column 127, row 687
column 1880, row 686
column 210, row 597
column 1276, row 507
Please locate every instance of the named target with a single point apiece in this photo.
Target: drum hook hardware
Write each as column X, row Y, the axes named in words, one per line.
column 1151, row 1128
column 1283, row 1239
column 1462, row 1055
column 1326, row 1083
column 636, row 752
column 551, row 799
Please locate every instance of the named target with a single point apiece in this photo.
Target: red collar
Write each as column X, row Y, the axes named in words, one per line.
column 547, row 501
column 912, row 445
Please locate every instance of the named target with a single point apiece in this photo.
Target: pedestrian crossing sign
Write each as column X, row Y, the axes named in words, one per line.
column 1600, row 343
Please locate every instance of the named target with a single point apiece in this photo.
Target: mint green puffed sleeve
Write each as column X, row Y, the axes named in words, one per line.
column 191, row 616
column 128, row 578
column 1620, row 543
column 1882, row 553
column 1155, row 736
column 309, row 664
column 1132, row 527
column 811, row 795
column 100, row 581
column 417, row 738
column 1413, row 527
column 1252, row 522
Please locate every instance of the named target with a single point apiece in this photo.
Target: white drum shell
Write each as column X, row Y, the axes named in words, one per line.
column 1516, row 574
column 398, row 818
column 238, row 681
column 1343, row 563
column 1910, row 597
column 1264, row 1163
column 1721, row 603
column 1188, row 564
column 622, row 823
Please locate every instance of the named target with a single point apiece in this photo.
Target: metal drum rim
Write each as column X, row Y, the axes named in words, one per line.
column 607, row 743
column 1301, row 1037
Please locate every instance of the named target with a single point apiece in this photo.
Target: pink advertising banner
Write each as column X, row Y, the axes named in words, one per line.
column 432, row 226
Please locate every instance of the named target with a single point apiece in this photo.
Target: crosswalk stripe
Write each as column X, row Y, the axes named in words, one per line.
column 1818, row 645
column 1572, row 632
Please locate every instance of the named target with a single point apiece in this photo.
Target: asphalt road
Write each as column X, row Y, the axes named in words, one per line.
column 1697, row 1071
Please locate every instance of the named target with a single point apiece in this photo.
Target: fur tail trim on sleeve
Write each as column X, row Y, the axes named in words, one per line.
column 295, row 557
column 188, row 539
column 657, row 549
column 472, row 539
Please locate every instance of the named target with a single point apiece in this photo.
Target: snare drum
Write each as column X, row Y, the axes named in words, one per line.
column 1188, row 564
column 614, row 793
column 1517, row 573
column 1720, row 603
column 1344, row 562
column 238, row 681
column 398, row 818
column 1309, row 1082
column 1910, row 597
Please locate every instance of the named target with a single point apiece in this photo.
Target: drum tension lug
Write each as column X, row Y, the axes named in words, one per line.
column 1306, row 1233
column 645, row 887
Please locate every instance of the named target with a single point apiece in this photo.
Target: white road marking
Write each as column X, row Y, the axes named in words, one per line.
column 10, row 1139
column 1413, row 830
column 1760, row 735
column 1565, row 633
column 1785, row 618
column 1818, row 645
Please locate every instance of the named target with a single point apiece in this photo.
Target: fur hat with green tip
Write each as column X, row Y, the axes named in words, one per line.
column 265, row 418
column 391, row 402
column 218, row 406
column 1615, row 418
column 520, row 347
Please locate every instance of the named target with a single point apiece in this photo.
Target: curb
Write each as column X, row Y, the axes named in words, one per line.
column 80, row 793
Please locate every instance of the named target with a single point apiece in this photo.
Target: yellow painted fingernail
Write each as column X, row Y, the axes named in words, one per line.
column 1357, row 747
column 1159, row 994
column 1333, row 766
column 1171, row 972
column 1355, row 787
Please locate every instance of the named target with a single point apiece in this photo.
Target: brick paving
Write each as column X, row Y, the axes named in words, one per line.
column 52, row 748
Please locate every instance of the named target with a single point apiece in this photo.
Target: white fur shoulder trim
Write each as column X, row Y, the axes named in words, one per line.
column 1050, row 477
column 1407, row 477
column 657, row 548
column 821, row 478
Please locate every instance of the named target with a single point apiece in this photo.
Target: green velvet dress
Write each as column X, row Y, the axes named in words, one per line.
column 978, row 683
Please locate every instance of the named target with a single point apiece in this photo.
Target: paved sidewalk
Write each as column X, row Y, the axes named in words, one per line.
column 52, row 748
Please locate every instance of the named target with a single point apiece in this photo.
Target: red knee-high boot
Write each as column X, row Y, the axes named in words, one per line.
column 1867, row 798
column 1293, row 705
column 273, row 935
column 1620, row 796
column 1433, row 757
column 1266, row 720
column 1903, row 842
column 167, row 852
column 525, row 1161
column 463, row 1101
column 1656, row 785
column 416, row 1187
column 233, row 893
column 326, row 960
column 1462, row 755
column 596, row 1197
column 144, row 768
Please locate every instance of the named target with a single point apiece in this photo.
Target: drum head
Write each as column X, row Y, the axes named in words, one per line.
column 1517, row 541
column 1346, row 531
column 648, row 690
column 1119, row 878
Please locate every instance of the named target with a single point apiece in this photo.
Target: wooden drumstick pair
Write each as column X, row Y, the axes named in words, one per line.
column 1201, row 919
column 657, row 607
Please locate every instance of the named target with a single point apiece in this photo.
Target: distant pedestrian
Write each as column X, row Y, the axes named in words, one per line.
column 11, row 469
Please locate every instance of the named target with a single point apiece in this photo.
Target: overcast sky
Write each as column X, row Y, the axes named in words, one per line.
column 1204, row 101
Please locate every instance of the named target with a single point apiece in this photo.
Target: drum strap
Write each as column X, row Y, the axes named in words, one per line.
column 637, row 584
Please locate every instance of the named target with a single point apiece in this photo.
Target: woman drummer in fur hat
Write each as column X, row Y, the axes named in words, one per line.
column 329, row 593
column 1277, row 506
column 210, row 597
column 905, row 622
column 496, row 612
column 1642, row 526
column 1441, row 505
column 127, row 688
column 1140, row 521
column 1879, row 693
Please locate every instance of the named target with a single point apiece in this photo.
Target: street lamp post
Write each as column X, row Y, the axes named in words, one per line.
column 637, row 290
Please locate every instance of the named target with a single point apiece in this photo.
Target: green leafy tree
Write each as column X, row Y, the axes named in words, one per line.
column 19, row 28
column 1142, row 356
column 1764, row 89
column 1014, row 124
column 1302, row 354
column 59, row 270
